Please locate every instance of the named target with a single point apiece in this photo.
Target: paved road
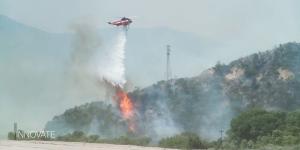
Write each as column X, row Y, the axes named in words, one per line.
column 53, row 145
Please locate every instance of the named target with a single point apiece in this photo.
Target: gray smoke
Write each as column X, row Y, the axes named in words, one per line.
column 81, row 81
column 95, row 68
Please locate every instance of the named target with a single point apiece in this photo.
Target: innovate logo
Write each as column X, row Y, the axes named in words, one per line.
column 29, row 135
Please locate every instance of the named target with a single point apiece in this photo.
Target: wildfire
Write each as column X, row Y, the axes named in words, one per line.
column 126, row 107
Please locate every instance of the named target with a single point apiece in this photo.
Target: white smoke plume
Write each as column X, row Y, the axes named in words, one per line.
column 110, row 62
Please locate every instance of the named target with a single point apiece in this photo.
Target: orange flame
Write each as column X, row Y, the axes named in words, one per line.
column 126, row 107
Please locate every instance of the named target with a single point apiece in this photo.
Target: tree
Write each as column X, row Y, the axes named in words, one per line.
column 251, row 124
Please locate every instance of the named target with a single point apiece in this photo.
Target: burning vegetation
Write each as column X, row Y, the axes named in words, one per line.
column 126, row 108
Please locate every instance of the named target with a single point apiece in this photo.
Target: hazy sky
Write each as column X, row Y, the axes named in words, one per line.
column 245, row 26
column 206, row 17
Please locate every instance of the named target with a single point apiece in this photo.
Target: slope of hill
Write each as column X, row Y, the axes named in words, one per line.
column 205, row 104
column 93, row 118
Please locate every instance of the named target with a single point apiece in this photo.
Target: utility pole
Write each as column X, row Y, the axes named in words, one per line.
column 168, row 67
column 15, row 130
column 221, row 139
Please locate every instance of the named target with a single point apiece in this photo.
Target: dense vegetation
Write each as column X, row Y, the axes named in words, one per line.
column 79, row 136
column 96, row 117
column 257, row 128
column 184, row 141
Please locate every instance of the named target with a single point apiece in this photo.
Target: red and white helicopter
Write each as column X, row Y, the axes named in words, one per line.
column 124, row 22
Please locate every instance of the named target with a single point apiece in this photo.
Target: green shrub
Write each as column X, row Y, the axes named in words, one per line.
column 76, row 136
column 79, row 136
column 11, row 135
column 126, row 140
column 93, row 138
column 183, row 141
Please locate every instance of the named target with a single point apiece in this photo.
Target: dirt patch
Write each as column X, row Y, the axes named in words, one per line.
column 55, row 145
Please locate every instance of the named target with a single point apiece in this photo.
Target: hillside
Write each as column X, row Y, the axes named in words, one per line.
column 93, row 118
column 205, row 104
